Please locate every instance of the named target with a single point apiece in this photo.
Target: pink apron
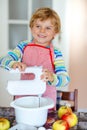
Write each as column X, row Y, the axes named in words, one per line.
column 36, row 55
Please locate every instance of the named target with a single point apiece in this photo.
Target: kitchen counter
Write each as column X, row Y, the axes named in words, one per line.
column 9, row 113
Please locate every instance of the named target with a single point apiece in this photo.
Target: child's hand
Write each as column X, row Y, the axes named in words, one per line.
column 47, row 75
column 21, row 66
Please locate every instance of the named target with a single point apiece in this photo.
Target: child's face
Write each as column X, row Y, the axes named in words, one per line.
column 43, row 32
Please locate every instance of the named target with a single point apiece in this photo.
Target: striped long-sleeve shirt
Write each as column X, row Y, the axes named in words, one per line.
column 61, row 77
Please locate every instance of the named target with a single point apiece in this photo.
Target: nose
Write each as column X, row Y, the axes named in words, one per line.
column 42, row 30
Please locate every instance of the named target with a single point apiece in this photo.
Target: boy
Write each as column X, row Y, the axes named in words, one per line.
column 45, row 25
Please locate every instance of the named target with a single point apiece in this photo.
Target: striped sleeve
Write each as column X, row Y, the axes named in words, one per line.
column 61, row 77
column 13, row 56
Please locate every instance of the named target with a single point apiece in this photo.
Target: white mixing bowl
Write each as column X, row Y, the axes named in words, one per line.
column 28, row 111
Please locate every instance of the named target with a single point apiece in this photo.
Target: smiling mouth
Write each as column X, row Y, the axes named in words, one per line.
column 41, row 36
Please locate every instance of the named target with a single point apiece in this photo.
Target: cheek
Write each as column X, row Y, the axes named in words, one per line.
column 51, row 34
column 33, row 30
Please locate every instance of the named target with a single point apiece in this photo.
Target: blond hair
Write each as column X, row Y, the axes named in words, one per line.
column 44, row 14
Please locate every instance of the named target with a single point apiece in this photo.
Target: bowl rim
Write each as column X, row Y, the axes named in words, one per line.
column 49, row 106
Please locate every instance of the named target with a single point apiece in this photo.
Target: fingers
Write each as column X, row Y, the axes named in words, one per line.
column 47, row 75
column 44, row 78
column 21, row 66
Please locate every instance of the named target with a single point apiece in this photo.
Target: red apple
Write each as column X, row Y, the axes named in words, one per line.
column 63, row 110
column 60, row 125
column 71, row 119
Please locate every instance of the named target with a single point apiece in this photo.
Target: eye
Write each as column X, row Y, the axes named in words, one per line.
column 48, row 28
column 37, row 26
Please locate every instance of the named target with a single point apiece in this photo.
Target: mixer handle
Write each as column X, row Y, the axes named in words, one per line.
column 37, row 70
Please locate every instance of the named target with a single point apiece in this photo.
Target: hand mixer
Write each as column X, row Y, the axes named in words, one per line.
column 27, row 87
